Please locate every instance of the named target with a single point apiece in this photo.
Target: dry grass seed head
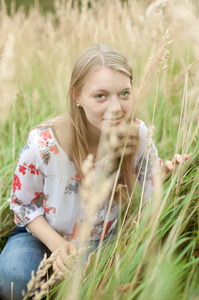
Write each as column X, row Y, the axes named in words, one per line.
column 43, row 268
column 36, row 287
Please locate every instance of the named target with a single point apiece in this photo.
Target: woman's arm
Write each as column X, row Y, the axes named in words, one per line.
column 40, row 228
column 47, row 235
column 147, row 157
column 27, row 197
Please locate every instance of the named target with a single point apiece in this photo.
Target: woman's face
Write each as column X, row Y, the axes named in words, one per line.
column 105, row 98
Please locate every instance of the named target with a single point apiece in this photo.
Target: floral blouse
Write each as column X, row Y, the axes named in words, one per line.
column 46, row 183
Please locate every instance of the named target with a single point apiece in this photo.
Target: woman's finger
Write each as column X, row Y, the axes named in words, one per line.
column 58, row 264
column 57, row 271
column 168, row 166
column 187, row 156
column 65, row 251
column 177, row 159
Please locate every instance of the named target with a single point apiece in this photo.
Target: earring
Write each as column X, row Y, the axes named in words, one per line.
column 78, row 104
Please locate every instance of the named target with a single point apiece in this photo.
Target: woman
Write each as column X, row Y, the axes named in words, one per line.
column 44, row 197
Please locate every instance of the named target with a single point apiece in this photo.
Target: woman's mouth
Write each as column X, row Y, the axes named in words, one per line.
column 114, row 121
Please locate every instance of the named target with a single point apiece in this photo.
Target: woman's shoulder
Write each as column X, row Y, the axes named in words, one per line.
column 55, row 131
column 55, row 124
column 62, row 131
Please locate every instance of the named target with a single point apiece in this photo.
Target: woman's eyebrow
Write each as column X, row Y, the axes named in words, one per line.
column 99, row 90
column 126, row 89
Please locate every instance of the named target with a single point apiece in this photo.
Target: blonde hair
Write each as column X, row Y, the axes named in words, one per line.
column 88, row 62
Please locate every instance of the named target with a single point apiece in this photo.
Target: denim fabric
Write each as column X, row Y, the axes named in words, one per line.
column 22, row 254
column 18, row 230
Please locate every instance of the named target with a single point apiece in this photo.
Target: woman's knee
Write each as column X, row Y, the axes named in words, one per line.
column 21, row 255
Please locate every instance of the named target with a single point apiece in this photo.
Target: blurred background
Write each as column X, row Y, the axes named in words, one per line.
column 39, row 43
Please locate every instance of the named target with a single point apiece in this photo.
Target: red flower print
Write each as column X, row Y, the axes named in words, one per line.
column 138, row 121
column 31, row 166
column 54, row 149
column 33, row 170
column 38, row 194
column 22, row 169
column 16, row 185
column 77, row 178
column 47, row 210
column 41, row 143
column 17, row 201
column 45, row 135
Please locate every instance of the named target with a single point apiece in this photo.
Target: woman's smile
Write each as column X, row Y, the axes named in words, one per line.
column 105, row 98
column 114, row 121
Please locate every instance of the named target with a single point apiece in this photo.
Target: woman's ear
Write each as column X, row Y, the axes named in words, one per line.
column 76, row 96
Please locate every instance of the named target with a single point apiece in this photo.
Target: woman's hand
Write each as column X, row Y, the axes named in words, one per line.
column 66, row 248
column 124, row 139
column 47, row 235
column 171, row 165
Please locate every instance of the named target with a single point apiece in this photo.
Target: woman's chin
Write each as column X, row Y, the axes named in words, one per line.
column 108, row 125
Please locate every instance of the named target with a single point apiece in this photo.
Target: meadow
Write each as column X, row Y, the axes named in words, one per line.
column 156, row 252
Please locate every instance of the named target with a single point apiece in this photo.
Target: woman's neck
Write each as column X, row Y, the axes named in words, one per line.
column 95, row 142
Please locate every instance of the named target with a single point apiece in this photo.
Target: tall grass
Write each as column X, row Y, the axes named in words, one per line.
column 157, row 258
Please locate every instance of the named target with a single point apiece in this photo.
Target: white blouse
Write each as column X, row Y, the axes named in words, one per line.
column 46, row 183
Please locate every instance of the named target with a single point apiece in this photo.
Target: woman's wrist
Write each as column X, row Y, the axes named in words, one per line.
column 59, row 243
column 46, row 234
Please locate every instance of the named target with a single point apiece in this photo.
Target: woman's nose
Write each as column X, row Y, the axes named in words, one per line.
column 114, row 105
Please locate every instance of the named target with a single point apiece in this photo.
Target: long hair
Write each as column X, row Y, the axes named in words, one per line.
column 88, row 62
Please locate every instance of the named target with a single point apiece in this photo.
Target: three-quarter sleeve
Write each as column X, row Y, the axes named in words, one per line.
column 146, row 161
column 26, row 198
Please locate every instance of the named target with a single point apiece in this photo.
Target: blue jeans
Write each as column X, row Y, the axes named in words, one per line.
column 22, row 254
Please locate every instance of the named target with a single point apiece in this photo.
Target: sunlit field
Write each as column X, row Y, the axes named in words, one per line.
column 156, row 252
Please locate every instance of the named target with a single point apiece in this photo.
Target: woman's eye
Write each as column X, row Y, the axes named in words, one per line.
column 125, row 94
column 100, row 97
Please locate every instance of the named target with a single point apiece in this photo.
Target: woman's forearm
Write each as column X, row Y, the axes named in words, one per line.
column 45, row 233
